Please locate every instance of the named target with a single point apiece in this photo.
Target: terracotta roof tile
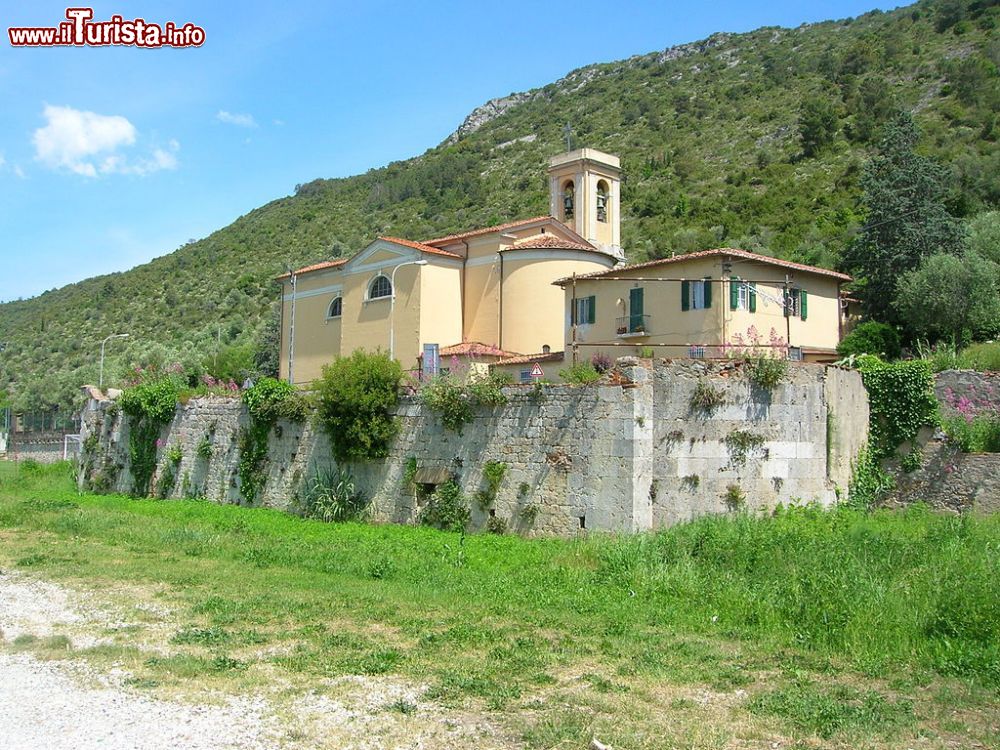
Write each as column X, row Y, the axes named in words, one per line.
column 475, row 349
column 420, row 246
column 524, row 359
column 716, row 252
column 485, row 230
column 548, row 241
column 315, row 267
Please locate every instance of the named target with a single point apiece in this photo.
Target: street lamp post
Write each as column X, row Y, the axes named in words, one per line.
column 100, row 380
column 291, row 329
column 392, row 304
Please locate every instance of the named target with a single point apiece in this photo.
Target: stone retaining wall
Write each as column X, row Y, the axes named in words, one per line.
column 981, row 389
column 606, row 457
column 951, row 480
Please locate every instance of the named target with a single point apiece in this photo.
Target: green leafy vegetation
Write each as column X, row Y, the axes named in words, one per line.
column 356, row 398
column 880, row 339
column 447, row 508
column 266, row 400
column 582, row 373
column 710, row 137
column 456, row 399
column 901, row 401
column 978, row 433
column 765, row 371
column 149, row 406
column 828, row 628
column 332, row 495
column 706, row 397
column 742, row 445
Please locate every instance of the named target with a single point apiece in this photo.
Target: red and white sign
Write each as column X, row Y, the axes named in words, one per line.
column 536, row 370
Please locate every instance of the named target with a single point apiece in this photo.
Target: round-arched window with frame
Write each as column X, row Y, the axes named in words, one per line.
column 380, row 287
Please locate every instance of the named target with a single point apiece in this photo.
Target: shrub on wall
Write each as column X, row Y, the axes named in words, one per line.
column 455, row 401
column 901, row 401
column 149, row 406
column 355, row 400
column 581, row 373
column 447, row 509
column 266, row 401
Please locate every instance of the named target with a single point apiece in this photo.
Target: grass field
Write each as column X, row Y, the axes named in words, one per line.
column 807, row 629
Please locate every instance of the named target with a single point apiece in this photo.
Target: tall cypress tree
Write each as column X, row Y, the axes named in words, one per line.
column 907, row 221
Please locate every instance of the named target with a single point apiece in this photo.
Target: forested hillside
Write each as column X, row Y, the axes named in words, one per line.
column 754, row 140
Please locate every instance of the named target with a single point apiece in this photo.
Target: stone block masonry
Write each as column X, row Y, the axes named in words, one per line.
column 622, row 458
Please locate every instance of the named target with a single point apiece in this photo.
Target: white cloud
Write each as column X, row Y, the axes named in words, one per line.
column 2, row 160
column 88, row 144
column 236, row 118
column 18, row 171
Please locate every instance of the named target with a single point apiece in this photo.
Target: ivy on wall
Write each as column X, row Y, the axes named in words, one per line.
column 266, row 400
column 901, row 399
column 149, row 406
column 901, row 402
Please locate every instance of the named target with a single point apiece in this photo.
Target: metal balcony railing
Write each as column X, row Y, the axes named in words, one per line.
column 629, row 326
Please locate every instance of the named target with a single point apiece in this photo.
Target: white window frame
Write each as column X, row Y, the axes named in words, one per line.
column 743, row 296
column 698, row 294
column 371, row 284
column 329, row 309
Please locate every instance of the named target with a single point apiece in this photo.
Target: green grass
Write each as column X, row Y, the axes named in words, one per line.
column 800, row 609
column 984, row 357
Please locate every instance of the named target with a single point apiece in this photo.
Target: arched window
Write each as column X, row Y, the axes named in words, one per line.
column 380, row 287
column 568, row 197
column 602, row 201
column 336, row 308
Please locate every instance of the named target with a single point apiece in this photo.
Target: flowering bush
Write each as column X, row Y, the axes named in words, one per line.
column 765, row 363
column 975, row 423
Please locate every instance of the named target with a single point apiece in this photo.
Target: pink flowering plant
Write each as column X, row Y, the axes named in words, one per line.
column 973, row 421
column 765, row 361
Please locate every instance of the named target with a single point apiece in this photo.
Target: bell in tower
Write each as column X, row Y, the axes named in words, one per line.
column 585, row 195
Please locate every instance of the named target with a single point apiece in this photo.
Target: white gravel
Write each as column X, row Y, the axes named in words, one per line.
column 67, row 704
column 43, row 708
column 47, row 705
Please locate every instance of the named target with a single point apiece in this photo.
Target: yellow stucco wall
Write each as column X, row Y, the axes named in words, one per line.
column 429, row 301
column 667, row 323
column 533, row 312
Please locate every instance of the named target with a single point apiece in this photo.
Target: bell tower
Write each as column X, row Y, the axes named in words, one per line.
column 585, row 195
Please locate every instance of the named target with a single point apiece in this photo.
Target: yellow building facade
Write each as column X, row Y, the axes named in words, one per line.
column 713, row 303
column 491, row 286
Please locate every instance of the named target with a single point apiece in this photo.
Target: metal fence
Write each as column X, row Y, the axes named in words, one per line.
column 40, row 421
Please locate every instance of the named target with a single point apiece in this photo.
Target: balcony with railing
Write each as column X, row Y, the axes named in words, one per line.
column 632, row 326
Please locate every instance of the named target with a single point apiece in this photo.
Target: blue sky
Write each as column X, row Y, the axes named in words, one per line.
column 112, row 156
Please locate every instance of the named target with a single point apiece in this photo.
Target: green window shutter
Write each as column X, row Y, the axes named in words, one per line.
column 753, row 298
column 734, row 293
column 685, row 295
column 591, row 305
column 803, row 306
column 708, row 292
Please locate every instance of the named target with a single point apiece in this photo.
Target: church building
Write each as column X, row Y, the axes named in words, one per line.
column 486, row 291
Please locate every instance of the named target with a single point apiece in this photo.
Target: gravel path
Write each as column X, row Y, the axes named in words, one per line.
column 42, row 707
column 68, row 704
column 54, row 705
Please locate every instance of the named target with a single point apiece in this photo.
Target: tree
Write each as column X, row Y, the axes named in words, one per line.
column 268, row 344
column 951, row 297
column 817, row 125
column 875, row 338
column 870, row 105
column 984, row 236
column 907, row 221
